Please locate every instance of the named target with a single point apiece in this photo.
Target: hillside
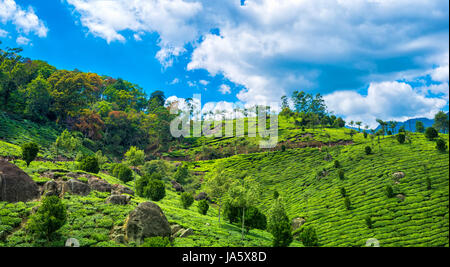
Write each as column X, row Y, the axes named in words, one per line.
column 303, row 174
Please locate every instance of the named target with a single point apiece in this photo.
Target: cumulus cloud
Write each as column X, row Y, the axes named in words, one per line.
column 3, row 33
column 25, row 20
column 386, row 100
column 23, row 40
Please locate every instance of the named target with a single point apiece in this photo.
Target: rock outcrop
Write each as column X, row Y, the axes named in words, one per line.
column 76, row 187
column 118, row 199
column 16, row 185
column 297, row 223
column 99, row 185
column 147, row 220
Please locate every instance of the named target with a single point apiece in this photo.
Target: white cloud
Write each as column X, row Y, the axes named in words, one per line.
column 387, row 100
column 3, row 33
column 203, row 82
column 440, row 74
column 225, row 89
column 23, row 40
column 25, row 20
column 175, row 81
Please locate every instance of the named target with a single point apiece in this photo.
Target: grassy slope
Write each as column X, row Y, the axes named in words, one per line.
column 421, row 220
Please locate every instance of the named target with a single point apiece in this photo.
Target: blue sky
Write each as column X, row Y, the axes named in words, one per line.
column 370, row 59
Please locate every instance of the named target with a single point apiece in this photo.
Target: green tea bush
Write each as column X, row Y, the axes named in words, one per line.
column 343, row 192
column 341, row 174
column 123, row 172
column 186, row 199
column 369, row 222
column 368, row 150
column 337, row 164
column 157, row 242
column 347, row 203
column 389, row 191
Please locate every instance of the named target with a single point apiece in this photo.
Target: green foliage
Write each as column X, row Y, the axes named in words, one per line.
column 89, row 164
column 441, row 145
column 186, row 199
column 156, row 166
column 203, row 206
column 134, row 156
column 155, row 190
column 368, row 150
column 401, row 138
column 157, row 242
column 182, row 174
column 420, row 128
column 431, row 133
column 341, row 174
column 50, row 217
column 389, row 191
column 369, row 222
column 428, row 181
column 29, row 152
column 308, row 236
column 123, row 172
column 441, row 122
column 279, row 226
column 347, row 203
column 337, row 164
column 343, row 192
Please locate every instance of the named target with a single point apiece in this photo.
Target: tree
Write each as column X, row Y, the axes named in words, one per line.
column 123, row 172
column 244, row 193
column 383, row 125
column 441, row 145
column 90, row 124
column 341, row 174
column 420, row 127
column 393, row 125
column 368, row 150
column 89, row 164
column 155, row 190
column 369, row 222
column 359, row 123
column 389, row 191
column 347, row 203
column 279, row 226
column 218, row 185
column 182, row 174
column 441, row 122
column 401, row 138
column 66, row 142
column 38, row 99
column 135, row 157
column 29, row 152
column 186, row 199
column 431, row 133
column 308, row 236
column 50, row 217
column 203, row 206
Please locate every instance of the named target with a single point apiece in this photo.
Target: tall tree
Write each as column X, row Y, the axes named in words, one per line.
column 218, row 186
column 441, row 122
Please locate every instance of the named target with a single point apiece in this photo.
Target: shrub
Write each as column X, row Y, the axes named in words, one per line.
column 187, row 199
column 337, row 164
column 431, row 133
column 279, row 226
column 29, row 152
column 155, row 190
column 89, row 164
column 368, row 150
column 182, row 174
column 203, row 206
column 441, row 145
column 369, row 222
column 365, row 135
column 123, row 173
column 156, row 242
column 308, row 236
column 134, row 156
column 49, row 218
column 276, row 195
column 341, row 174
column 155, row 166
column 347, row 203
column 428, row 181
column 389, row 191
column 419, row 127
column 401, row 138
column 343, row 192
column 283, row 148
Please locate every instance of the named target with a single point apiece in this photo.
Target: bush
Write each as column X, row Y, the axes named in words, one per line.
column 365, row 135
column 134, row 156
column 283, row 148
column 341, row 174
column 428, row 181
column 441, row 145
column 123, row 173
column 155, row 190
column 29, row 152
column 368, row 150
column 155, row 166
column 431, row 133
column 347, row 203
column 156, row 242
column 49, row 218
column 279, row 226
column 369, row 222
column 187, row 199
column 343, row 192
column 203, row 206
column 182, row 174
column 389, row 191
column 308, row 236
column 337, row 164
column 89, row 164
column 401, row 138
